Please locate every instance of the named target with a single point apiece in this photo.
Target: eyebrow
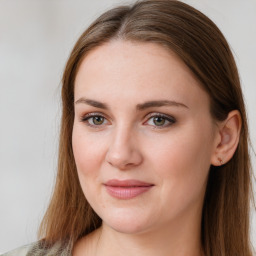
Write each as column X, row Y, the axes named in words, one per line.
column 143, row 106
column 92, row 103
column 159, row 103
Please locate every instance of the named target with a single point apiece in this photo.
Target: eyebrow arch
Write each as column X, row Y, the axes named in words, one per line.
column 143, row 106
column 159, row 103
column 92, row 103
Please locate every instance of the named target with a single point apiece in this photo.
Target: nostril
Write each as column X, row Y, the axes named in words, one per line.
column 123, row 153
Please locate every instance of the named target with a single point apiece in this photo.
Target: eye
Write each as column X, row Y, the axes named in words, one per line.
column 160, row 120
column 94, row 119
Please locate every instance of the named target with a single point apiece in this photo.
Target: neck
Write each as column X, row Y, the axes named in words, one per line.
column 180, row 239
column 164, row 244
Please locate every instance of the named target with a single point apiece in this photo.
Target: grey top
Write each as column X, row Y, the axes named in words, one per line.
column 36, row 249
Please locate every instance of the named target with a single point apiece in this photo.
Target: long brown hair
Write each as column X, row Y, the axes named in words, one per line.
column 200, row 44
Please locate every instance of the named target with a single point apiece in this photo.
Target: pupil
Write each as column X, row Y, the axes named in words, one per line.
column 159, row 121
column 98, row 120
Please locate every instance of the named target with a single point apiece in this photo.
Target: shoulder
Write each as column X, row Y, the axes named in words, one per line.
column 40, row 249
column 21, row 251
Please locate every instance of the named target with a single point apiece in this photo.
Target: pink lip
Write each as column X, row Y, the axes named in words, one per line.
column 126, row 189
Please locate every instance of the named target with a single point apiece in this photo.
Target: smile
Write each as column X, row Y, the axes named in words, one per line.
column 126, row 189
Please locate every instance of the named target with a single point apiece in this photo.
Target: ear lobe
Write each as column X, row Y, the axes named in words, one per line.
column 229, row 134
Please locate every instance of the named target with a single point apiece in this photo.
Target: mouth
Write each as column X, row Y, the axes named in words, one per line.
column 126, row 189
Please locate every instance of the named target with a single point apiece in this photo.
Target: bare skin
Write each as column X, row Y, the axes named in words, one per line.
column 120, row 134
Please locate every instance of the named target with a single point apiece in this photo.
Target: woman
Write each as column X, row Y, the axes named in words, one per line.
column 153, row 155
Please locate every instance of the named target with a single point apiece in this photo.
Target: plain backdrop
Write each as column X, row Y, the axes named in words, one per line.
column 36, row 37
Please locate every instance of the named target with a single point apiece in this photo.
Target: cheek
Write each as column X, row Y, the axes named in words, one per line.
column 87, row 153
column 180, row 153
column 182, row 162
column 88, row 157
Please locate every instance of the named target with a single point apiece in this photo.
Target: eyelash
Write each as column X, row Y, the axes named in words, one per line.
column 170, row 119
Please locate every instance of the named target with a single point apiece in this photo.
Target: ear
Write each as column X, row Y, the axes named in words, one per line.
column 227, row 138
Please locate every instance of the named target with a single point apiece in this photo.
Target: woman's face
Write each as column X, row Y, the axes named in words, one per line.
column 143, row 137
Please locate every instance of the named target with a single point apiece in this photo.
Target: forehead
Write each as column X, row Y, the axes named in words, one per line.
column 128, row 69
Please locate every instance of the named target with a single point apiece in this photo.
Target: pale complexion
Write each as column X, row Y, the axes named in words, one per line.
column 141, row 114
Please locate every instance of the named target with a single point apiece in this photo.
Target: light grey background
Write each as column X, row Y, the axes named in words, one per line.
column 36, row 37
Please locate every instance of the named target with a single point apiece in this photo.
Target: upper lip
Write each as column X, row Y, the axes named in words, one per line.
column 127, row 183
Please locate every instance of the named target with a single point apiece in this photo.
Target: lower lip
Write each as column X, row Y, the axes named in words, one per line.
column 126, row 192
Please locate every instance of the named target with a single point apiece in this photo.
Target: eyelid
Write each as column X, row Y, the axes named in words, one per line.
column 85, row 117
column 160, row 114
column 169, row 118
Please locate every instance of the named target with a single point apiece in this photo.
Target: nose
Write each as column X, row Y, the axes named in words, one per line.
column 123, row 152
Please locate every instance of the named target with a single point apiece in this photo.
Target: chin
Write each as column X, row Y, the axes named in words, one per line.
column 127, row 222
column 126, row 227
